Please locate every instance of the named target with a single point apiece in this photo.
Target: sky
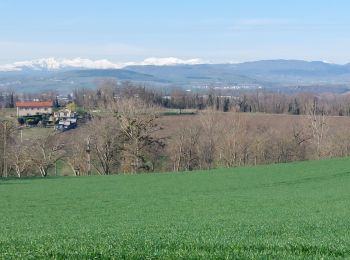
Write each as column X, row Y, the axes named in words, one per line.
column 215, row 31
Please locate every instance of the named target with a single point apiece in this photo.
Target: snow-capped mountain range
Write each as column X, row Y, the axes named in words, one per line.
column 59, row 63
column 284, row 75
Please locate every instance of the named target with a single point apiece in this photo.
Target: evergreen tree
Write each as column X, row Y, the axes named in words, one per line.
column 56, row 103
column 226, row 106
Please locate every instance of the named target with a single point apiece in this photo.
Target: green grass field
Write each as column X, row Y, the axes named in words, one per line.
column 178, row 112
column 296, row 210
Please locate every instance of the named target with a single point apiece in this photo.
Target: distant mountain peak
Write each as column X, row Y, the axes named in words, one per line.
column 58, row 63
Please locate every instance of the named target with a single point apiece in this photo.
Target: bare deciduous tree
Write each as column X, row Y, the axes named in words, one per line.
column 209, row 138
column 46, row 151
column 318, row 126
column 234, row 143
column 184, row 148
column 21, row 158
column 138, row 126
column 7, row 129
column 106, row 144
column 77, row 151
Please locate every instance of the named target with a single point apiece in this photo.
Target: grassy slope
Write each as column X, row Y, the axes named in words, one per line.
column 297, row 210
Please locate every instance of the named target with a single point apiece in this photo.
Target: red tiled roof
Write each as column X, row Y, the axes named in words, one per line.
column 34, row 104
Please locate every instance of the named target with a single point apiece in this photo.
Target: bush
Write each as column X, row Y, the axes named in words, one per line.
column 21, row 120
column 32, row 121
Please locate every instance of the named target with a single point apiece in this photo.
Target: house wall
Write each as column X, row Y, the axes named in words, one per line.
column 62, row 114
column 31, row 111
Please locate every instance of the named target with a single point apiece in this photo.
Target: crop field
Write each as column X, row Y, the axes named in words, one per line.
column 296, row 210
column 280, row 122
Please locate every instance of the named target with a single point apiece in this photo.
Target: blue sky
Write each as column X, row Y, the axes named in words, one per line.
column 212, row 30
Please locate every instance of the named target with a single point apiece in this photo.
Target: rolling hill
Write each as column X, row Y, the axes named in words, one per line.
column 283, row 211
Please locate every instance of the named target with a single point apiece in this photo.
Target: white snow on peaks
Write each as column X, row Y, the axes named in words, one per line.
column 166, row 61
column 56, row 64
column 91, row 64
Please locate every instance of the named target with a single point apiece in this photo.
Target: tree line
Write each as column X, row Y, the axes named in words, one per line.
column 252, row 101
column 247, row 101
column 128, row 134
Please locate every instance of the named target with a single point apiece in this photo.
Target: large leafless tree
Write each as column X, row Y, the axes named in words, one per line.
column 46, row 151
